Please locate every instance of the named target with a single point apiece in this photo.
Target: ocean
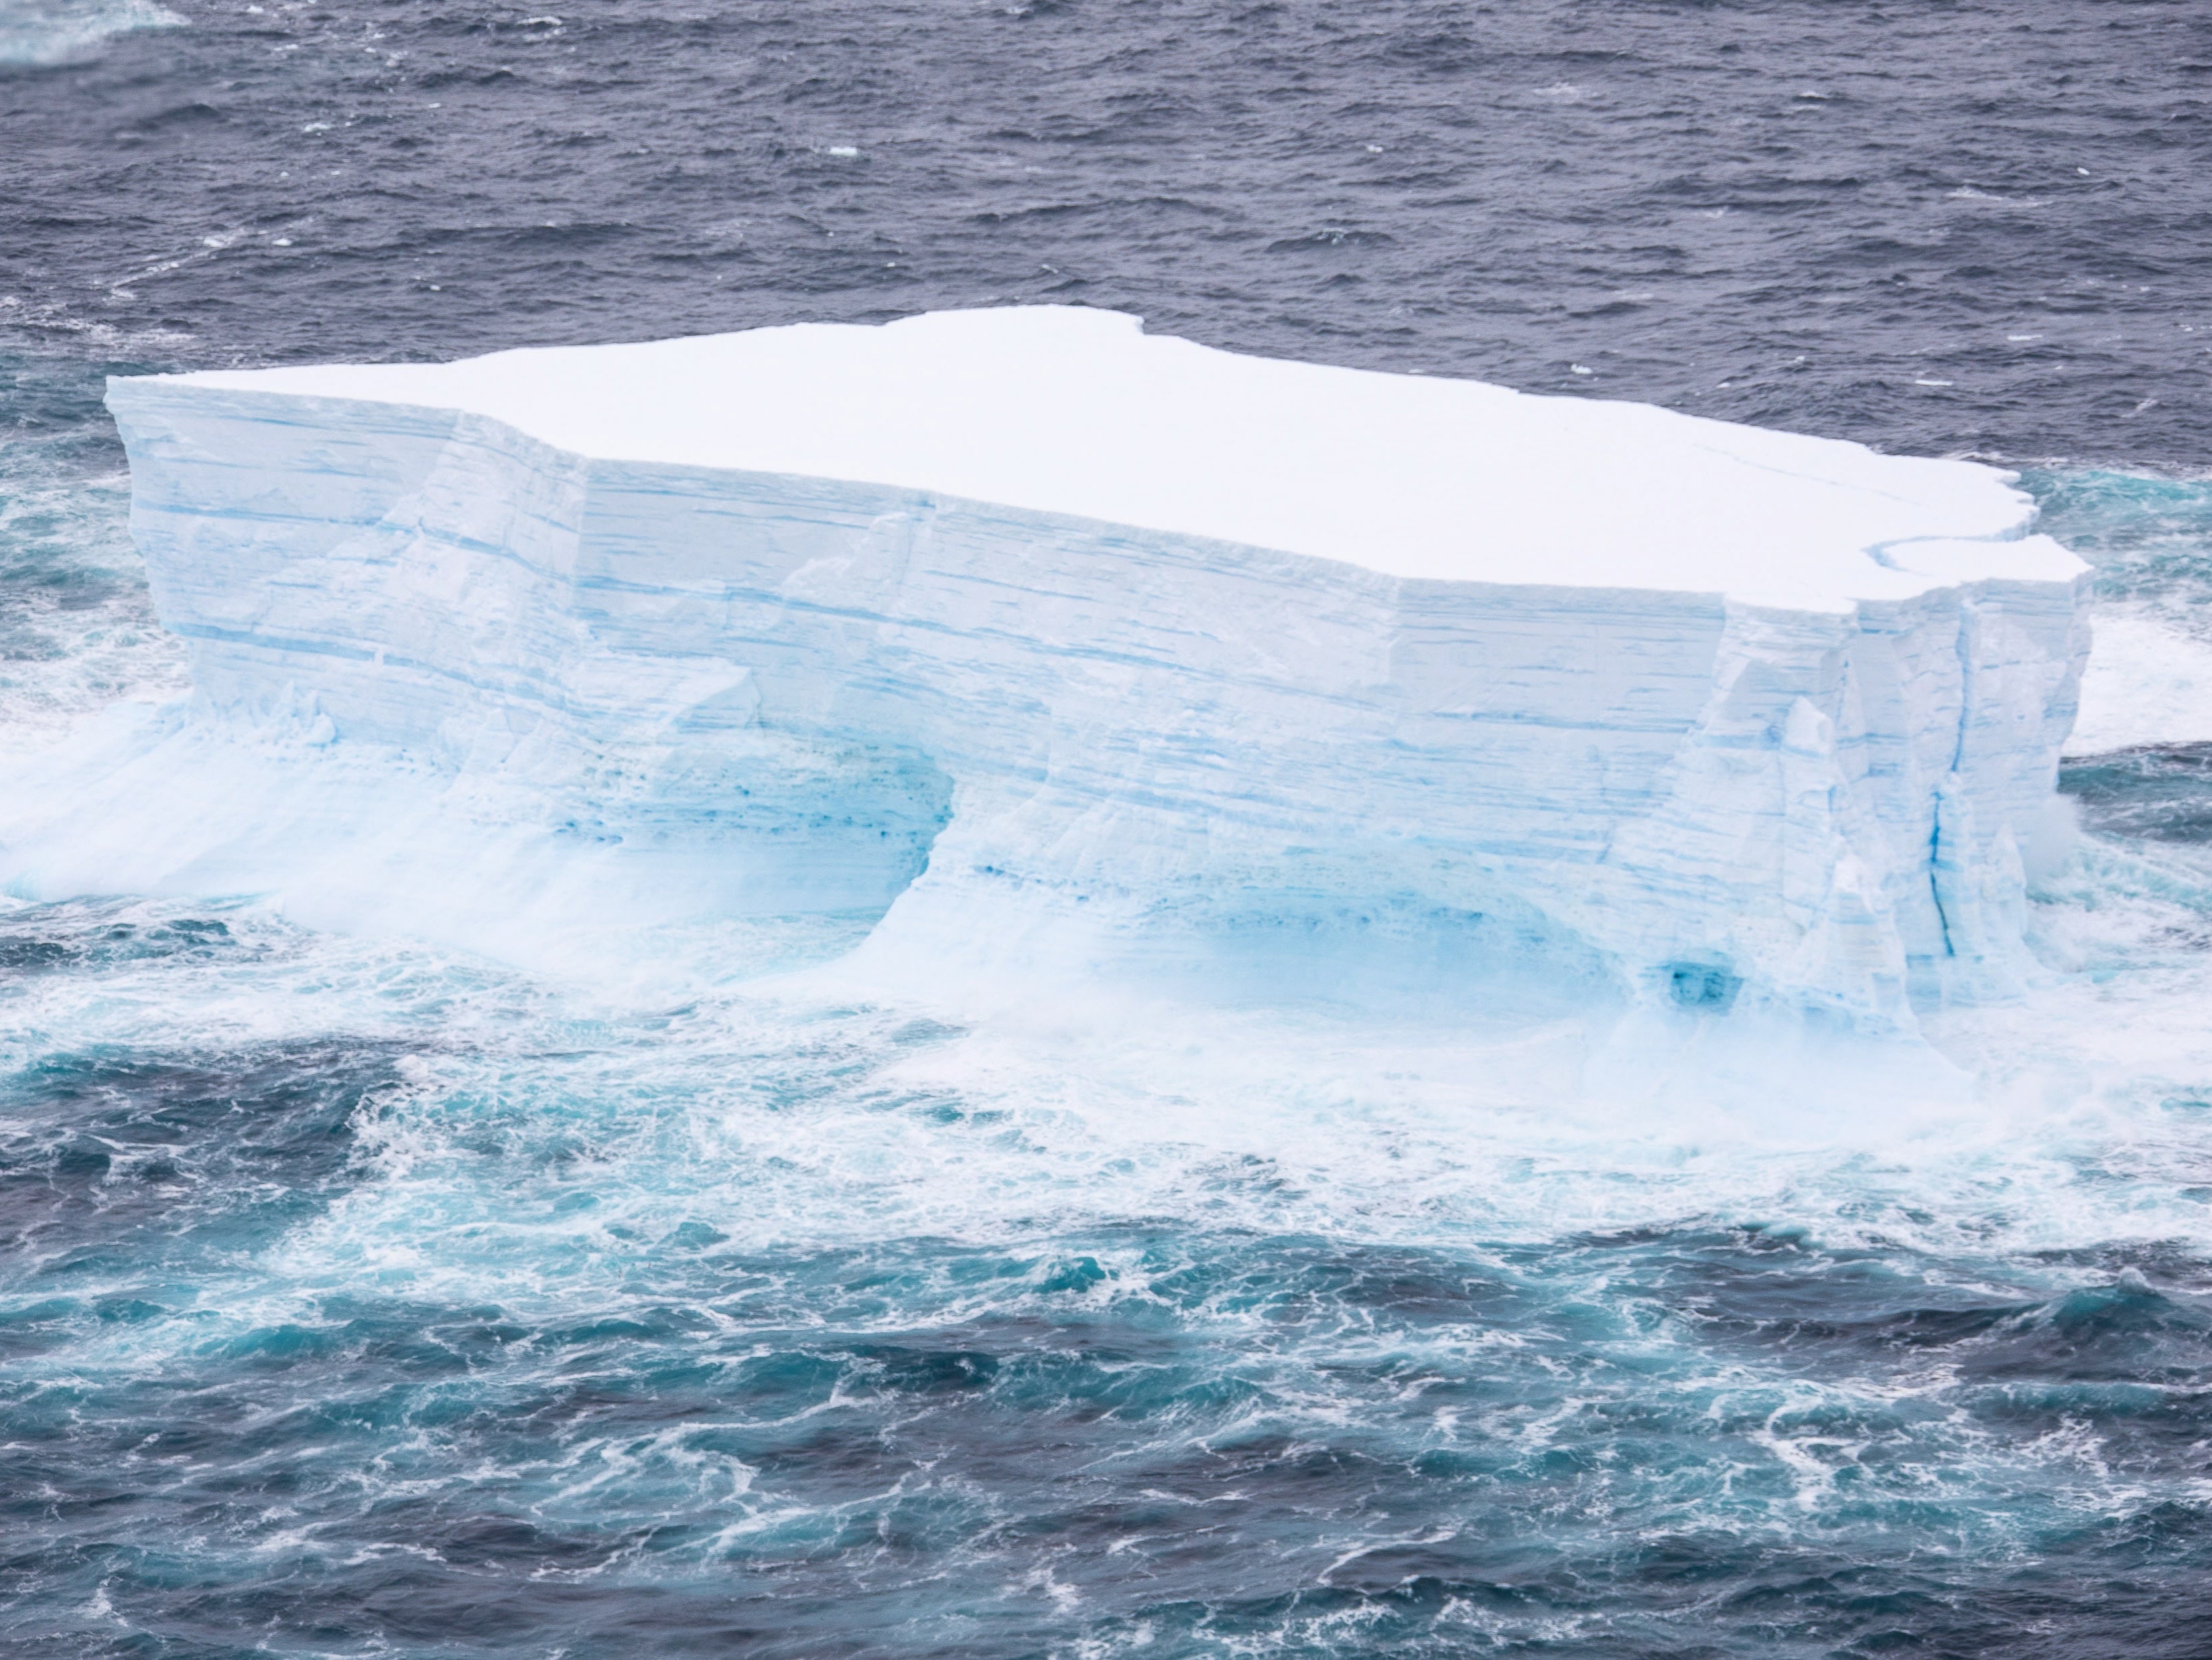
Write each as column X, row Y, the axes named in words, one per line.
column 363, row 1298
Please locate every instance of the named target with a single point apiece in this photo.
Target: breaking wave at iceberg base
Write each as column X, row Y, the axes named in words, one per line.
column 361, row 1293
column 360, row 1289
column 38, row 33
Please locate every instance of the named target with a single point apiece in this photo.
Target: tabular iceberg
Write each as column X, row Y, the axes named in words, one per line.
column 1071, row 644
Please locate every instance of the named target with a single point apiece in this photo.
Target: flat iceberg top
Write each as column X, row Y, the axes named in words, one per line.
column 1067, row 410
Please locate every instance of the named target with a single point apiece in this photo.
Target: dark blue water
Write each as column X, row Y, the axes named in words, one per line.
column 361, row 1298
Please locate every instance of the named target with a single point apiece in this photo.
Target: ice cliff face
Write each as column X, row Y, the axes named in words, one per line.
column 1074, row 646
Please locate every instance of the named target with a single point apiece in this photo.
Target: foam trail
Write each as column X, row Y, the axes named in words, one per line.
column 651, row 1276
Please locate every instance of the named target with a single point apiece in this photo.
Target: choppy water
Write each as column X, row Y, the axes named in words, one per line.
column 356, row 1298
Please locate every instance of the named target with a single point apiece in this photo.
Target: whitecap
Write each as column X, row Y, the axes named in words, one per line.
column 38, row 33
column 2148, row 682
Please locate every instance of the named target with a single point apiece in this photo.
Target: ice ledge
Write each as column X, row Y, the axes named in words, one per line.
column 1079, row 412
column 1269, row 676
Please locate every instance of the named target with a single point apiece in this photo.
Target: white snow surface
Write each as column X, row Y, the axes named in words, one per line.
column 1036, row 654
column 1062, row 409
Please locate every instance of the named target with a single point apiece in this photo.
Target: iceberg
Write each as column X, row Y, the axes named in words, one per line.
column 1034, row 643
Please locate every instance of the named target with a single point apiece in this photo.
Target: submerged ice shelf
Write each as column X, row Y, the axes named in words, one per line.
column 1077, row 647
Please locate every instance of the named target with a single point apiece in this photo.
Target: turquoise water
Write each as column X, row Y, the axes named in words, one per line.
column 357, row 1294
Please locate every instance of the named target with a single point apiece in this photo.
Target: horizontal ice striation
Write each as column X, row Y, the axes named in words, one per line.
column 1075, row 647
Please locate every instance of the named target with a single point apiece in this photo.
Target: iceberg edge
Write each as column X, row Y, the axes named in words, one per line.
column 456, row 679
